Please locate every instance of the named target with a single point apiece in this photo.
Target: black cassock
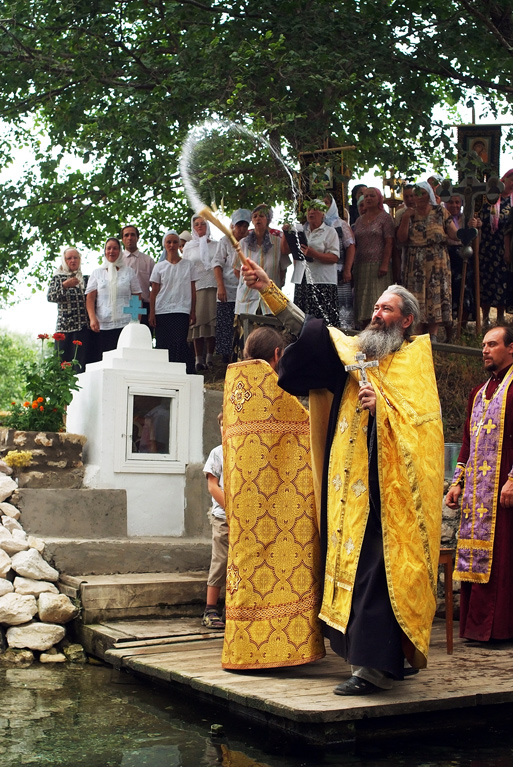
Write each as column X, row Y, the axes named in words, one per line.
column 373, row 637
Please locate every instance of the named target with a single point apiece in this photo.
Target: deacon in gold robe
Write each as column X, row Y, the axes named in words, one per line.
column 377, row 444
column 273, row 579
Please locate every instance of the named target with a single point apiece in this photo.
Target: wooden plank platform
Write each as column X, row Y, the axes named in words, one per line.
column 300, row 700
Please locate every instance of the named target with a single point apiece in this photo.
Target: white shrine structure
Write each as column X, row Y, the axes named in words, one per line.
column 143, row 419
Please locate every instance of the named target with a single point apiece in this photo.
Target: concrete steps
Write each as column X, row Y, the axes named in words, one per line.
column 101, row 556
column 136, row 595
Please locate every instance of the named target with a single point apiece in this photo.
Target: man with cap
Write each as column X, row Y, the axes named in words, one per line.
column 226, row 270
column 140, row 262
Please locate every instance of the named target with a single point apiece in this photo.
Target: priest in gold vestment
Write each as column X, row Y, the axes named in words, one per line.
column 377, row 445
column 273, row 577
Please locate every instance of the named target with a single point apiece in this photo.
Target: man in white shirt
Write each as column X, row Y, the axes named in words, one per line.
column 140, row 262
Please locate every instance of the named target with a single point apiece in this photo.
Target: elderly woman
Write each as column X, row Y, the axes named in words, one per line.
column 200, row 251
column 372, row 270
column 264, row 248
column 315, row 291
column 66, row 289
column 357, row 191
column 108, row 293
column 173, row 301
column 427, row 272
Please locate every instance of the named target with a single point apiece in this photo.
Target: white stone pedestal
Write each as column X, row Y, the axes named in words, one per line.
column 143, row 419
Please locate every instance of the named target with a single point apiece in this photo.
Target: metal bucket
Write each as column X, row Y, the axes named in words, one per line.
column 452, row 450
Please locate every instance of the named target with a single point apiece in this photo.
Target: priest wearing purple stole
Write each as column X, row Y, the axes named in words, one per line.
column 483, row 481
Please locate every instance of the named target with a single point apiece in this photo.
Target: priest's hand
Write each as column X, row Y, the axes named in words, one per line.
column 254, row 276
column 506, row 496
column 367, row 397
column 452, row 499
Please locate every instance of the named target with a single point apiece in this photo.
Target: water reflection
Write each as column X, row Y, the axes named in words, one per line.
column 73, row 716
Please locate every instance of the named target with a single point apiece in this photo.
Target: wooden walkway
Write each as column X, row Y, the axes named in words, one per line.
column 454, row 689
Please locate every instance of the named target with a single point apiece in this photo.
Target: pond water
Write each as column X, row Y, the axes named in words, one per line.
column 73, row 716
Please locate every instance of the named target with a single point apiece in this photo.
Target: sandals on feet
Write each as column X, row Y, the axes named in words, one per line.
column 212, row 620
column 355, row 685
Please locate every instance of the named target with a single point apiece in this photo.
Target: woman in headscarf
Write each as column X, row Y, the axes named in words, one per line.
column 345, row 263
column 200, row 251
column 424, row 231
column 66, row 289
column 108, row 293
column 372, row 270
column 315, row 277
column 496, row 284
column 173, row 301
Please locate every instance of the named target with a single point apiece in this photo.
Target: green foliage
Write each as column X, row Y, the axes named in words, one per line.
column 16, row 351
column 103, row 93
column 49, row 383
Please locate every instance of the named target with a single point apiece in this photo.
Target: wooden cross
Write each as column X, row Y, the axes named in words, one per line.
column 361, row 365
column 134, row 308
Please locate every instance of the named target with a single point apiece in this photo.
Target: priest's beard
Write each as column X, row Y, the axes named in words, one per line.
column 379, row 340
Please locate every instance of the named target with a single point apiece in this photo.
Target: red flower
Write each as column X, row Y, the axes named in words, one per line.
column 43, row 336
column 58, row 337
column 65, row 365
column 77, row 343
column 13, row 403
column 41, row 407
column 34, row 405
column 40, row 399
column 26, row 404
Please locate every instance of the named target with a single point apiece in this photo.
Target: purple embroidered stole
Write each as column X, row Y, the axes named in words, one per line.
column 481, row 491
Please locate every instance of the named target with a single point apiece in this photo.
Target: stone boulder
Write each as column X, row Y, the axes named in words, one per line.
column 30, row 586
column 6, row 587
column 16, row 609
column 30, row 564
column 7, row 487
column 52, row 656
column 35, row 636
column 11, row 543
column 56, row 608
column 5, row 468
column 36, row 543
column 10, row 523
column 5, row 563
column 16, row 659
column 8, row 510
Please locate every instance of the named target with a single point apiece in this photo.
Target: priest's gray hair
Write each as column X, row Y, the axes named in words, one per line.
column 409, row 305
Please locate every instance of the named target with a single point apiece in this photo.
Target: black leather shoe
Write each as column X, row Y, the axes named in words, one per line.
column 355, row 685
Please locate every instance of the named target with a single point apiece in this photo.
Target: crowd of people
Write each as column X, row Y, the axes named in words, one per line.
column 191, row 298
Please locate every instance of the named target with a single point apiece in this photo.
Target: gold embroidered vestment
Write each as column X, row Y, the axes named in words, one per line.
column 273, row 590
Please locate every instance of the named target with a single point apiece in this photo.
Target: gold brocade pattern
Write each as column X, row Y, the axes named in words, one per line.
column 276, row 300
column 410, row 468
column 271, row 617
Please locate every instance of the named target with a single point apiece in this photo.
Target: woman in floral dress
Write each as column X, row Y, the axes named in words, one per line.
column 427, row 271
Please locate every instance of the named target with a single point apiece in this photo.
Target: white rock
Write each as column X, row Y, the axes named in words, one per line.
column 35, row 636
column 10, row 523
column 36, row 543
column 30, row 586
column 16, row 609
column 13, row 545
column 56, row 608
column 6, row 587
column 7, row 487
column 9, row 510
column 5, row 468
column 5, row 534
column 52, row 656
column 30, row 564
column 20, row 535
column 5, row 563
